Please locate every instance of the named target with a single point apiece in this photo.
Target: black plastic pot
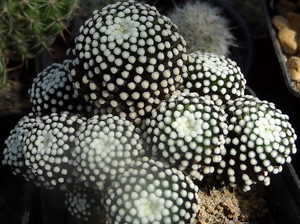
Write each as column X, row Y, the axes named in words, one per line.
column 42, row 206
column 283, row 196
column 269, row 11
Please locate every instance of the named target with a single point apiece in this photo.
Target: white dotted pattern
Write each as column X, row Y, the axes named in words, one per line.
column 52, row 92
column 83, row 201
column 48, row 147
column 188, row 131
column 214, row 76
column 150, row 193
column 129, row 61
column 260, row 140
column 105, row 145
column 14, row 154
column 125, row 48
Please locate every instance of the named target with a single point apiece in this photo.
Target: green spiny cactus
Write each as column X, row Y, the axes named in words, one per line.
column 29, row 26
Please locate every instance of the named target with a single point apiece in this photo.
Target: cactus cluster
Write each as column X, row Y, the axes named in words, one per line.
column 152, row 121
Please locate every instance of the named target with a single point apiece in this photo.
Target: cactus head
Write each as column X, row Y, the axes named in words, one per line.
column 128, row 57
column 51, row 91
column 188, row 131
column 214, row 76
column 148, row 192
column 261, row 139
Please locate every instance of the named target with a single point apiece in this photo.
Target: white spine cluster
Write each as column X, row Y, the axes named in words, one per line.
column 215, row 77
column 48, row 147
column 52, row 92
column 260, row 141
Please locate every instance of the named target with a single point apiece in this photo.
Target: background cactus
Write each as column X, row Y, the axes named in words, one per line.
column 27, row 27
column 203, row 26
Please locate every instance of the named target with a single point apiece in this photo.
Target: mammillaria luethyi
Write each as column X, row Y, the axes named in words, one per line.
column 261, row 140
column 39, row 148
column 82, row 201
column 105, row 145
column 48, row 149
column 14, row 151
column 127, row 57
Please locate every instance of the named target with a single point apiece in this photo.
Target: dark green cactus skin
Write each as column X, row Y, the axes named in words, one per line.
column 29, row 26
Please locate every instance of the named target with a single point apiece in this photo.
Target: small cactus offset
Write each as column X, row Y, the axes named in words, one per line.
column 29, row 26
column 51, row 91
column 214, row 76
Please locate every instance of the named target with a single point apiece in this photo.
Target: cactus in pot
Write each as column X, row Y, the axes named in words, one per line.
column 157, row 132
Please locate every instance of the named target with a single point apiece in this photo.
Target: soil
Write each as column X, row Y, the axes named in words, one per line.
column 295, row 85
column 224, row 206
